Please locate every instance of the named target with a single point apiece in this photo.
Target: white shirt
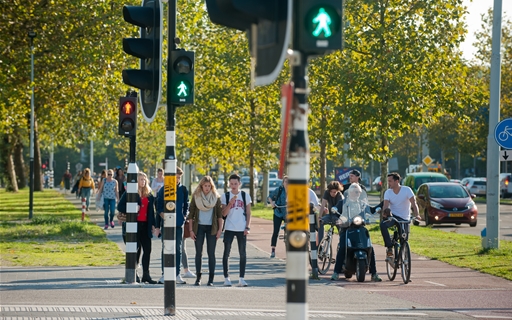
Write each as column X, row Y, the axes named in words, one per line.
column 400, row 204
column 236, row 220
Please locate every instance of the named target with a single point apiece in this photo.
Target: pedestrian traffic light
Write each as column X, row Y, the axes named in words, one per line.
column 268, row 26
column 45, row 162
column 128, row 116
column 318, row 26
column 182, row 77
column 148, row 48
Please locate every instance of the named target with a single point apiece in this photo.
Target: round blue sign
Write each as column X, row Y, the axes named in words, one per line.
column 503, row 133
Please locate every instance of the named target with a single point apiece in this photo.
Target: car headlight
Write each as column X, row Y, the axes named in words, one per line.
column 357, row 220
column 471, row 204
column 435, row 204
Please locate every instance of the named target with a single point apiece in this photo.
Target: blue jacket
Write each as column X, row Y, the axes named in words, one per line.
column 281, row 201
column 181, row 206
column 121, row 207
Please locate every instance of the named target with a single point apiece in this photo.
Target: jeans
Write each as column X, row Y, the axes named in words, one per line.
column 204, row 232
column 385, row 225
column 340, row 256
column 181, row 254
column 86, row 193
column 242, row 243
column 109, row 205
column 277, row 227
column 144, row 242
column 184, row 255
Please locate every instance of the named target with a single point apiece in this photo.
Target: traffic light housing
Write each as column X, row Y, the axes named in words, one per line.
column 318, row 26
column 128, row 116
column 45, row 164
column 268, row 26
column 182, row 77
column 148, row 48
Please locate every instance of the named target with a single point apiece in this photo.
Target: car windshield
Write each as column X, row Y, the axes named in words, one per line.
column 273, row 183
column 453, row 191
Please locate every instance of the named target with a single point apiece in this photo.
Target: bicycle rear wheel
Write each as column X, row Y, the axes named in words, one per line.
column 324, row 255
column 406, row 262
column 391, row 264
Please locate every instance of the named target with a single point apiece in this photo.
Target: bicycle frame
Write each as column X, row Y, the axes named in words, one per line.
column 401, row 252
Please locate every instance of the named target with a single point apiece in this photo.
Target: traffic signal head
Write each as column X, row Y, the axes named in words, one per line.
column 318, row 26
column 148, row 48
column 128, row 116
column 182, row 77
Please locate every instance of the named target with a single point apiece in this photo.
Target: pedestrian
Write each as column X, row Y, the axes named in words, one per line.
column 121, row 181
column 181, row 214
column 145, row 222
column 66, row 178
column 76, row 181
column 86, row 186
column 158, row 182
column 331, row 197
column 237, row 213
column 205, row 221
column 110, row 192
column 277, row 200
column 354, row 204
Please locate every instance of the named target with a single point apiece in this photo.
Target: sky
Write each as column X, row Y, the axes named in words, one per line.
column 473, row 21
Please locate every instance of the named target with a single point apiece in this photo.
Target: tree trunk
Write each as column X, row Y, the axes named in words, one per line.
column 252, row 134
column 10, row 173
column 38, row 181
column 323, row 167
column 19, row 163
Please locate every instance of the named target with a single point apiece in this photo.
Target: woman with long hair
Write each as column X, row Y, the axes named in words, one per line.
column 110, row 192
column 85, row 186
column 206, row 217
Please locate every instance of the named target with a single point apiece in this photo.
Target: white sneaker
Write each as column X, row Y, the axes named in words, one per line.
column 161, row 280
column 242, row 283
column 227, row 282
column 189, row 274
column 179, row 280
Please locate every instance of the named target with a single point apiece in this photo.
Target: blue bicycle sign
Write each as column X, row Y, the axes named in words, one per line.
column 503, row 133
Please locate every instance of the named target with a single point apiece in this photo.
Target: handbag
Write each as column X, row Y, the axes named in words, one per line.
column 186, row 230
column 99, row 201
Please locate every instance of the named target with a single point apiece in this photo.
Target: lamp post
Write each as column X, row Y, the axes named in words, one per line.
column 31, row 35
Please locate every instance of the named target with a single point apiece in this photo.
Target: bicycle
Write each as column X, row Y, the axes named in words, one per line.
column 504, row 135
column 324, row 251
column 401, row 252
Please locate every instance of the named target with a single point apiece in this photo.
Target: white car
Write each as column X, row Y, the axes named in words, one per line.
column 476, row 186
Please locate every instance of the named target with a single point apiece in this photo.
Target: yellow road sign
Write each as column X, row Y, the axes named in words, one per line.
column 428, row 160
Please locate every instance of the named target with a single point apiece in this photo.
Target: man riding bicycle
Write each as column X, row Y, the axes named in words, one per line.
column 399, row 199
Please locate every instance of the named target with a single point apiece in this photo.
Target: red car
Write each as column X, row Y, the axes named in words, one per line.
column 446, row 202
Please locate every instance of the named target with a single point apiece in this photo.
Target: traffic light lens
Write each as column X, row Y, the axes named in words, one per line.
column 183, row 65
column 322, row 22
column 182, row 89
column 128, row 108
column 127, row 125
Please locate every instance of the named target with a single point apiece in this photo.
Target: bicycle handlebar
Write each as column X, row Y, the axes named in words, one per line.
column 402, row 221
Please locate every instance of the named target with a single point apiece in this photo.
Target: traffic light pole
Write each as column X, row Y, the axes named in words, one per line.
column 297, row 222
column 169, row 233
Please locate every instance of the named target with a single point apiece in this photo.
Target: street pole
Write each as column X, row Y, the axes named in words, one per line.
column 297, row 222
column 492, row 239
column 132, row 190
column 31, row 35
column 170, row 210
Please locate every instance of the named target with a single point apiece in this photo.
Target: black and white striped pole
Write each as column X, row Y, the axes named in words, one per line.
column 297, row 218
column 132, row 208
column 312, row 242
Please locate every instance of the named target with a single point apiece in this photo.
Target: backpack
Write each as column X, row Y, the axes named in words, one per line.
column 227, row 201
column 279, row 191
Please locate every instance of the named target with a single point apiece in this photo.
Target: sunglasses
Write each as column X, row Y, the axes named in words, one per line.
column 110, row 174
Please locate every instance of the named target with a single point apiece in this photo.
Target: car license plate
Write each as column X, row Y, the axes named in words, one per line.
column 456, row 215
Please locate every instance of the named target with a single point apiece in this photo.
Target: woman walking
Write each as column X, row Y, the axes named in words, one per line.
column 206, row 217
column 85, row 186
column 145, row 222
column 110, row 192
column 277, row 200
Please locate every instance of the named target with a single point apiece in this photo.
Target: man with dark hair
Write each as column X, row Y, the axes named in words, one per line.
column 354, row 177
column 236, row 208
column 399, row 199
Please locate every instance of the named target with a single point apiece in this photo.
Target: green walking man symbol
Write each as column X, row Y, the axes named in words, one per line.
column 324, row 20
column 183, row 89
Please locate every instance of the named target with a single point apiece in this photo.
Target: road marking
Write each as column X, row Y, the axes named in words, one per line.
column 435, row 283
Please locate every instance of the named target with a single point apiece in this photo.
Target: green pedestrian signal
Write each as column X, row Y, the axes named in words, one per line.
column 181, row 71
column 319, row 28
column 183, row 89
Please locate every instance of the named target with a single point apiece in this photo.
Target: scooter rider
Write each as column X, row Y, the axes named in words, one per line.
column 352, row 206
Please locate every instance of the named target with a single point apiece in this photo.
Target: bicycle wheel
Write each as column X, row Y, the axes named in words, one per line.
column 405, row 257
column 391, row 264
column 324, row 255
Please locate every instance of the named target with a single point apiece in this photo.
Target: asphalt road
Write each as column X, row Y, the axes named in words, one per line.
column 505, row 221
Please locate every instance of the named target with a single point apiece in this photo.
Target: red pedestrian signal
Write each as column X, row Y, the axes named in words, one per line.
column 127, row 116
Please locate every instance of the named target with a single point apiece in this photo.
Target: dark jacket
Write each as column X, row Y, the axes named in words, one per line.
column 181, row 206
column 216, row 215
column 121, row 207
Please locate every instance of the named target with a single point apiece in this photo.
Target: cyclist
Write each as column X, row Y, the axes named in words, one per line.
column 277, row 200
column 399, row 199
column 331, row 197
column 355, row 204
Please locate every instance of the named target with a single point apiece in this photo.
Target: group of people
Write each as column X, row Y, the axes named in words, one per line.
column 207, row 215
column 398, row 199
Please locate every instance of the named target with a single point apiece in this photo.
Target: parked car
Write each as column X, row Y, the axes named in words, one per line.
column 272, row 185
column 245, row 181
column 220, row 181
column 415, row 179
column 446, row 202
column 377, row 184
column 505, row 185
column 477, row 186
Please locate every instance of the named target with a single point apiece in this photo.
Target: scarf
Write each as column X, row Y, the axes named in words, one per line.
column 206, row 202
